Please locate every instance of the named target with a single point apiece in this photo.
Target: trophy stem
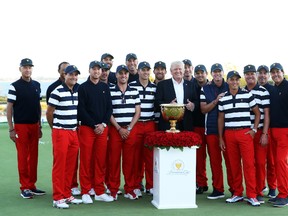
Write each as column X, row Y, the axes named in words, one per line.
column 173, row 127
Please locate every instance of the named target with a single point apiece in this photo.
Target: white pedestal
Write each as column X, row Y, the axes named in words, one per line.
column 174, row 178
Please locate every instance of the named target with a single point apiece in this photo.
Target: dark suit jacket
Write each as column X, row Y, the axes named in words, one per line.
column 165, row 93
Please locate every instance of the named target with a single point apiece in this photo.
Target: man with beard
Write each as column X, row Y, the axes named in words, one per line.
column 108, row 59
column 279, row 132
column 188, row 70
column 132, row 63
column 209, row 98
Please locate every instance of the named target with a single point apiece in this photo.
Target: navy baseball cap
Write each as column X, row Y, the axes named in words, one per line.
column 249, row 68
column 130, row 55
column 26, row 62
column 144, row 64
column 104, row 66
column 233, row 73
column 216, row 66
column 263, row 67
column 95, row 63
column 106, row 55
column 122, row 67
column 277, row 66
column 200, row 67
column 70, row 69
column 187, row 61
column 160, row 64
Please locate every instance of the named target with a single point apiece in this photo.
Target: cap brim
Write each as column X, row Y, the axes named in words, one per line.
column 217, row 69
column 234, row 76
column 276, row 68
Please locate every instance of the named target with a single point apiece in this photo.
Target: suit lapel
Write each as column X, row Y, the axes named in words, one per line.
column 185, row 90
column 173, row 94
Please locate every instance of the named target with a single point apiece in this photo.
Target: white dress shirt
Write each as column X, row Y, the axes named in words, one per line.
column 179, row 90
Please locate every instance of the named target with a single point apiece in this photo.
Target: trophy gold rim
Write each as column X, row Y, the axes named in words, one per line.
column 174, row 119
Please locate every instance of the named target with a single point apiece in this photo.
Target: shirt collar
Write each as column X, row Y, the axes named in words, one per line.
column 176, row 83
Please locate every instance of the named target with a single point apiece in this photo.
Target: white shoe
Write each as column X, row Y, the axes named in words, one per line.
column 108, row 191
column 253, row 201
column 119, row 192
column 104, row 197
column 131, row 196
column 86, row 199
column 72, row 200
column 138, row 192
column 234, row 199
column 75, row 191
column 61, row 204
column 91, row 192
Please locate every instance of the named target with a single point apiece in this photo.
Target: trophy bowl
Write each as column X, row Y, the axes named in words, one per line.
column 172, row 113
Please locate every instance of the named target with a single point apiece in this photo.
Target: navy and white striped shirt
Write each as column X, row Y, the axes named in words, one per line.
column 262, row 98
column 65, row 102
column 147, row 98
column 123, row 104
column 237, row 109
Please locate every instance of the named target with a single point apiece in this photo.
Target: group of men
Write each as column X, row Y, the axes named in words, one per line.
column 108, row 116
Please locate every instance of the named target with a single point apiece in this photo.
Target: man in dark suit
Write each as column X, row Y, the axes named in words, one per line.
column 177, row 90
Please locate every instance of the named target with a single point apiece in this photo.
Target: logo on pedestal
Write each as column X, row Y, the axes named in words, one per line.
column 178, row 168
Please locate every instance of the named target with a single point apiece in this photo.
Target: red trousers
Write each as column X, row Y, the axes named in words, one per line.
column 260, row 162
column 27, row 154
column 271, row 170
column 201, row 176
column 127, row 148
column 65, row 151
column 240, row 150
column 143, row 161
column 93, row 149
column 215, row 155
column 75, row 174
column 279, row 138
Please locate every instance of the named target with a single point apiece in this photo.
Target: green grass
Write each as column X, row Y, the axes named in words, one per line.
column 12, row 204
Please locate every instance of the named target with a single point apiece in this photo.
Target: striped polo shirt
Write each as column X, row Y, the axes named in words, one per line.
column 65, row 102
column 262, row 98
column 237, row 109
column 123, row 104
column 147, row 98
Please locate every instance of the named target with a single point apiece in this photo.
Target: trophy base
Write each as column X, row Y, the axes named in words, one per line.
column 173, row 131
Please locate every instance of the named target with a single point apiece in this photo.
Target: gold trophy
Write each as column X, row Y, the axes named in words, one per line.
column 172, row 113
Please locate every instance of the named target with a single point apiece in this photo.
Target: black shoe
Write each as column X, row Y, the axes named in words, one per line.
column 26, row 194
column 199, row 190
column 273, row 200
column 281, row 202
column 205, row 188
column 38, row 192
column 149, row 192
column 272, row 193
column 216, row 195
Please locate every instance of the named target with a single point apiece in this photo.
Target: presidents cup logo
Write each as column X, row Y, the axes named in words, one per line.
column 178, row 168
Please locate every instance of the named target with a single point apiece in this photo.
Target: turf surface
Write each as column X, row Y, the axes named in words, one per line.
column 12, row 204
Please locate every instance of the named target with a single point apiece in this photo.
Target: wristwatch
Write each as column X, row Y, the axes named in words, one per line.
column 104, row 125
column 129, row 128
column 255, row 130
